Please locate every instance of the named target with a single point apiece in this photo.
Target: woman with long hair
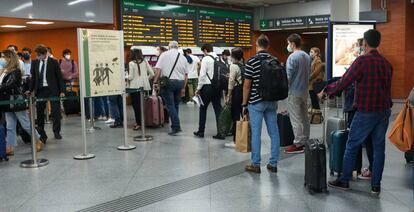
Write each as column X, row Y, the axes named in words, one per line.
column 140, row 73
column 11, row 89
column 235, row 92
column 317, row 75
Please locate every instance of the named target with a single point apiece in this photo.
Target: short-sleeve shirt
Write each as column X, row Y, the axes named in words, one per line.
column 166, row 62
column 252, row 72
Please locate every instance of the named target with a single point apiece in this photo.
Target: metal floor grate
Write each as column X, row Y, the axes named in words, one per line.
column 169, row 190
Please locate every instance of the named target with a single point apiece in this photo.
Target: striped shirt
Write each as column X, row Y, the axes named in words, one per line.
column 252, row 72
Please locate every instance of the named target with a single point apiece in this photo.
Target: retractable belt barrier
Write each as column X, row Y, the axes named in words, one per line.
column 35, row 162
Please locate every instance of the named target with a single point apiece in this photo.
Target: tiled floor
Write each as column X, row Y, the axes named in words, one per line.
column 70, row 185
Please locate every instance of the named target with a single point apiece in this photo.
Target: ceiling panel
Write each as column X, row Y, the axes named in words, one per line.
column 22, row 21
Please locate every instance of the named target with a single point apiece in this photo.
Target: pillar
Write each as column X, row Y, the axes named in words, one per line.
column 345, row 10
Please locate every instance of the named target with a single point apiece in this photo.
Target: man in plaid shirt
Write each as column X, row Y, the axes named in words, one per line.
column 372, row 75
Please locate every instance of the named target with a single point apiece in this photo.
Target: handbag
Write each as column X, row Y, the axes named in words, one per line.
column 402, row 131
column 243, row 135
column 225, row 121
column 164, row 80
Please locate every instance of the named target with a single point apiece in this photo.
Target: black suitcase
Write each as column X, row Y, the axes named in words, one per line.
column 71, row 106
column 409, row 155
column 3, row 154
column 315, row 166
column 285, row 129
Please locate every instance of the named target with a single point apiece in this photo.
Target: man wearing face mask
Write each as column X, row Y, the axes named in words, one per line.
column 68, row 67
column 298, row 71
column 47, row 82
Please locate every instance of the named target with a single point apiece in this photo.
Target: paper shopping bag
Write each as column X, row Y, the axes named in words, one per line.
column 243, row 135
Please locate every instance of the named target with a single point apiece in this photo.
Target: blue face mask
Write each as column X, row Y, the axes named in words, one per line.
column 3, row 63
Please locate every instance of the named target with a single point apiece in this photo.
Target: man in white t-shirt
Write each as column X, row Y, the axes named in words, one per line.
column 193, row 69
column 172, row 68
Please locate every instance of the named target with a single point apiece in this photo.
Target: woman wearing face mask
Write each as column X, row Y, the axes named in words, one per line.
column 317, row 75
column 68, row 67
column 140, row 73
column 10, row 89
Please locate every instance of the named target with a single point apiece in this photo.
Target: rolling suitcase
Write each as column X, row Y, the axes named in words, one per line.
column 315, row 166
column 337, row 151
column 154, row 111
column 285, row 129
column 3, row 154
column 333, row 124
column 71, row 106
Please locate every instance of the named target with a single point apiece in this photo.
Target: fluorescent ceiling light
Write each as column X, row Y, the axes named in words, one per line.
column 89, row 14
column 162, row 8
column 23, row 6
column 40, row 22
column 77, row 2
column 13, row 26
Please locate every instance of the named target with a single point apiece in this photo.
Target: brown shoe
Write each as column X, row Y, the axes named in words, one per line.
column 9, row 151
column 253, row 168
column 39, row 145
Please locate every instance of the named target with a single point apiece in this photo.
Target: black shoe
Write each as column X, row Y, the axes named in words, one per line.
column 272, row 168
column 338, row 184
column 199, row 134
column 57, row 136
column 219, row 137
column 376, row 190
column 116, row 125
column 43, row 139
column 174, row 132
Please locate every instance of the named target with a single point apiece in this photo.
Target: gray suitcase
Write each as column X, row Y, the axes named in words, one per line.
column 333, row 124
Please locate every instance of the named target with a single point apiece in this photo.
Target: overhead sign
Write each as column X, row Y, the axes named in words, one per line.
column 101, row 55
column 295, row 22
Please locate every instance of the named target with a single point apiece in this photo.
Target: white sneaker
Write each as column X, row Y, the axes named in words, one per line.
column 190, row 103
column 230, row 145
column 365, row 174
column 110, row 121
column 102, row 118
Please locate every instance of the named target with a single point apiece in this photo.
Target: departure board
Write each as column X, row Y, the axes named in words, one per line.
column 149, row 23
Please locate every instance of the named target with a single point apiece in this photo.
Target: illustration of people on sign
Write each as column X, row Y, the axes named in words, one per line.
column 101, row 73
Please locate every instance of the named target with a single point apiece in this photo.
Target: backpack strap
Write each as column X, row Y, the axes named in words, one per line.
column 241, row 67
column 214, row 59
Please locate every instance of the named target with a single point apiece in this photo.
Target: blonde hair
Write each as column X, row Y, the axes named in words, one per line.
column 13, row 63
column 317, row 51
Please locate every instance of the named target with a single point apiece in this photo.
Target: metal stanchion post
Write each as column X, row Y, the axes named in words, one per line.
column 48, row 113
column 85, row 155
column 92, row 127
column 125, row 146
column 34, row 162
column 143, row 137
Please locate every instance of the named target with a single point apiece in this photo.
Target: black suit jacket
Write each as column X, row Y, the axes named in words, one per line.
column 53, row 76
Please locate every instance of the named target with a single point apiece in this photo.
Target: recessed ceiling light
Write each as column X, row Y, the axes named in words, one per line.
column 77, row 2
column 13, row 26
column 40, row 22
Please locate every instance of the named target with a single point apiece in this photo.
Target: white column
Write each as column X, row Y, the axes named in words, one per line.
column 345, row 10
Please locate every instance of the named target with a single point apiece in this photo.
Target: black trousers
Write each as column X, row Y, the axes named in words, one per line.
column 209, row 94
column 236, row 107
column 136, row 105
column 314, row 100
column 40, row 109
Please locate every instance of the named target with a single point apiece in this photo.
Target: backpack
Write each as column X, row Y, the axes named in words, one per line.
column 273, row 84
column 242, row 68
column 220, row 78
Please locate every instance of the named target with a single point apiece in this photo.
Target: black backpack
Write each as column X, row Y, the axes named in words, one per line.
column 220, row 78
column 273, row 84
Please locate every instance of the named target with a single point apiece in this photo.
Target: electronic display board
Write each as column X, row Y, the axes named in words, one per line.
column 149, row 23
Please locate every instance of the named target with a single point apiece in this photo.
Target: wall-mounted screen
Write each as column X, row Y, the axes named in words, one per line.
column 149, row 23
column 344, row 44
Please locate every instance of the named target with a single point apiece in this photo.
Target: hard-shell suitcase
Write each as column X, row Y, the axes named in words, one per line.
column 71, row 106
column 337, row 152
column 3, row 154
column 285, row 129
column 315, row 166
column 333, row 124
column 409, row 155
column 154, row 111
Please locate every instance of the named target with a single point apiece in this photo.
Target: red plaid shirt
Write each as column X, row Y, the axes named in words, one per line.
column 372, row 75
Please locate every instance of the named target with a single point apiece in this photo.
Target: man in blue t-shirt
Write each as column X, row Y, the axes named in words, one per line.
column 298, row 70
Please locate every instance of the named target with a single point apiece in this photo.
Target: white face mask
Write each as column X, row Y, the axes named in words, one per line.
column 289, row 48
column 67, row 57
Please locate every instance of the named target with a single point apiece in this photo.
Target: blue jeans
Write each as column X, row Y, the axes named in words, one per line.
column 116, row 108
column 363, row 125
column 172, row 98
column 257, row 112
column 11, row 122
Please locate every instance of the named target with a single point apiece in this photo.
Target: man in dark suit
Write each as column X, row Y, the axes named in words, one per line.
column 46, row 82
